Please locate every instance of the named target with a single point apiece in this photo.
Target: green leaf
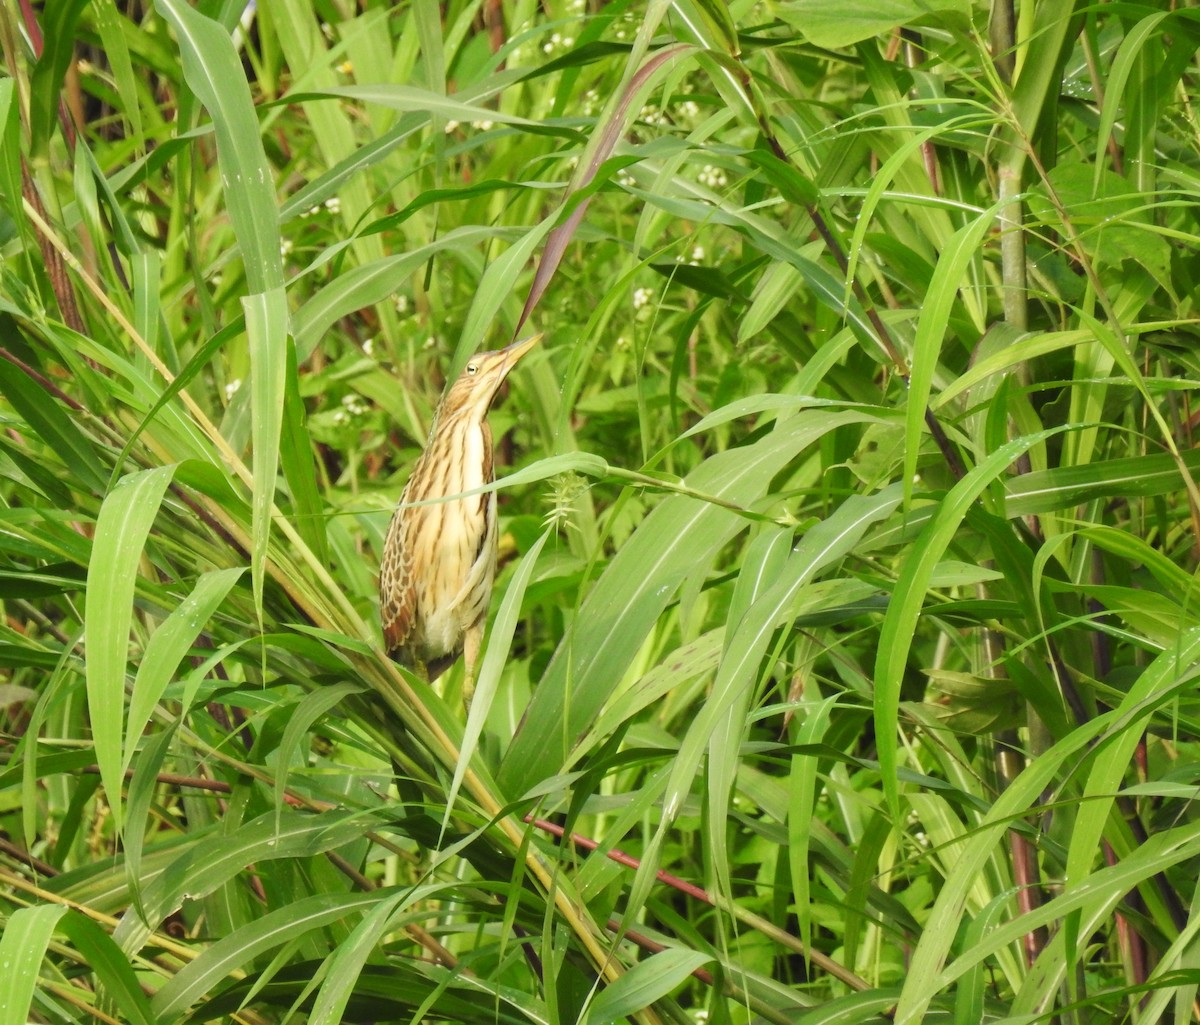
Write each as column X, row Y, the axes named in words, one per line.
column 266, row 330
column 116, row 52
column 412, row 98
column 792, row 185
column 720, row 23
column 1035, row 88
column 922, row 981
column 143, row 788
column 10, row 151
column 900, row 622
column 495, row 288
column 499, row 642
column 372, row 283
column 722, row 724
column 747, row 639
column 199, row 360
column 208, row 862
column 825, row 24
column 46, row 417
column 58, row 24
column 214, row 73
column 170, row 643
column 1108, row 216
column 1065, row 486
column 22, row 946
column 644, row 983
column 125, row 520
column 634, row 590
column 854, row 1009
column 110, row 967
column 309, row 710
column 346, row 963
column 237, row 951
column 948, row 278
column 1096, row 899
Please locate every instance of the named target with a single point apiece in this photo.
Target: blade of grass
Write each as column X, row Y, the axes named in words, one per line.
column 900, row 622
column 124, row 522
column 169, row 644
column 214, row 73
column 266, row 330
column 27, row 934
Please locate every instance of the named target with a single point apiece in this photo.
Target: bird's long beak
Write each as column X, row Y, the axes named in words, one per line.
column 514, row 352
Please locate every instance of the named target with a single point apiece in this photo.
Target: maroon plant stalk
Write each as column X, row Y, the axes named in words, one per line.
column 561, row 235
column 621, row 858
column 835, row 969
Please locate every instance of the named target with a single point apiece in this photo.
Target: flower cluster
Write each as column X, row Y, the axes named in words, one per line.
column 557, row 41
column 332, row 204
column 354, row 407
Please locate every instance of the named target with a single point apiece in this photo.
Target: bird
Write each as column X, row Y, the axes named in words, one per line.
column 439, row 559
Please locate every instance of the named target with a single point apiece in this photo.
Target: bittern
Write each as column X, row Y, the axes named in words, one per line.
column 439, row 560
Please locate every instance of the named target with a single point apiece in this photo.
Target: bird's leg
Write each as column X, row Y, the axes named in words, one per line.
column 472, row 642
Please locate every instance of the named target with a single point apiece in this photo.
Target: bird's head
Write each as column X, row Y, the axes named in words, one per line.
column 481, row 378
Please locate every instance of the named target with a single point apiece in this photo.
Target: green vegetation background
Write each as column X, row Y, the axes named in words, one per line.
column 847, row 609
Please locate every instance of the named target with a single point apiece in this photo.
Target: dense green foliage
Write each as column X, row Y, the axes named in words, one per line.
column 849, row 533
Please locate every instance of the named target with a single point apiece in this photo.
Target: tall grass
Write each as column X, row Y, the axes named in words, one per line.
column 842, row 663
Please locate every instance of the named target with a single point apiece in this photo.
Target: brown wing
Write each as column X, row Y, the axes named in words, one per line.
column 397, row 592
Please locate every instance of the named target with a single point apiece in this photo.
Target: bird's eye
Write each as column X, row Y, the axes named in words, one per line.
column 472, row 368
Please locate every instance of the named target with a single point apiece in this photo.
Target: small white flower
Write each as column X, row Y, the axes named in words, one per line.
column 697, row 254
column 285, row 246
column 312, row 210
column 483, row 126
column 327, row 30
column 333, row 204
column 649, row 113
column 402, row 304
column 231, row 388
column 451, row 127
column 431, row 342
column 712, row 177
column 354, row 405
column 690, row 108
column 625, row 179
column 369, row 347
column 642, row 297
